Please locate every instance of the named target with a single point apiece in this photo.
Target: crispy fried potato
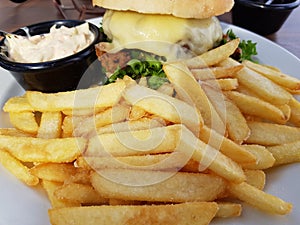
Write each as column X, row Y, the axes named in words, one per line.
column 256, row 178
column 50, row 125
column 200, row 213
column 260, row 199
column 231, row 115
column 264, row 159
column 272, row 134
column 81, row 193
column 229, row 148
column 286, row 153
column 157, row 186
column 295, row 112
column 257, row 107
column 16, row 167
column 260, row 85
column 24, row 121
column 280, row 78
column 57, row 172
column 164, row 106
column 14, row 132
column 50, row 187
column 215, row 72
column 228, row 209
column 98, row 97
column 213, row 56
column 28, row 149
column 17, row 104
column 189, row 90
column 224, row 84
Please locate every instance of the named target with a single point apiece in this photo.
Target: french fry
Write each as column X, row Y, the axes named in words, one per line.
column 200, row 213
column 167, row 139
column 24, row 121
column 286, row 153
column 164, row 106
column 14, row 132
column 259, row 84
column 17, row 104
column 157, row 186
column 225, row 84
column 256, row 107
column 256, row 178
column 28, row 149
column 16, row 167
column 280, row 78
column 229, row 148
column 136, row 113
column 80, row 193
column 272, row 134
column 98, row 97
column 228, row 209
column 131, row 125
column 213, row 56
column 50, row 187
column 50, row 125
column 215, row 72
column 57, row 172
column 259, row 199
column 190, row 91
column 264, row 159
column 295, row 112
column 231, row 115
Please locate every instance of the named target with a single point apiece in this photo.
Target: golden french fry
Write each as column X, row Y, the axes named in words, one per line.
column 50, row 187
column 191, row 92
column 278, row 77
column 165, row 140
column 216, row 72
column 264, row 159
column 164, row 106
column 256, row 107
column 136, row 113
column 228, row 209
column 295, row 112
column 260, row 199
column 24, row 121
column 97, row 97
column 81, row 193
column 259, row 84
column 50, row 125
column 225, row 84
column 286, row 153
column 213, row 56
column 14, row 132
column 229, row 148
column 131, row 125
column 256, row 178
column 57, row 172
column 272, row 134
column 19, row 170
column 200, row 213
column 235, row 121
column 157, row 186
column 29, row 149
column 17, row 104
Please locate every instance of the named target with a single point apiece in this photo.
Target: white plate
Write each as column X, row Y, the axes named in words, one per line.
column 22, row 205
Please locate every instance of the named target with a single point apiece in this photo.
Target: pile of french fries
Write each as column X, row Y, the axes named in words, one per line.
column 183, row 154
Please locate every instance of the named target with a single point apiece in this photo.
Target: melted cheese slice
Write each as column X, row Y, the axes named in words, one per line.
column 163, row 35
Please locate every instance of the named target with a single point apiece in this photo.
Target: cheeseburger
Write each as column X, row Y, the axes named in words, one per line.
column 172, row 29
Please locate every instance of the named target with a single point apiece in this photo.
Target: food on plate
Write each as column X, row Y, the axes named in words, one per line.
column 124, row 147
column 58, row 43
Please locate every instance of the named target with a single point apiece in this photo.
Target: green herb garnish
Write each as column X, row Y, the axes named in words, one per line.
column 246, row 50
column 141, row 65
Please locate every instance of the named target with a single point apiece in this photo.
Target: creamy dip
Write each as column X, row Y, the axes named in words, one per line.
column 58, row 43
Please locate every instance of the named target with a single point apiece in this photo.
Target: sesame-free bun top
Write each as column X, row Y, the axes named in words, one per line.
column 197, row 9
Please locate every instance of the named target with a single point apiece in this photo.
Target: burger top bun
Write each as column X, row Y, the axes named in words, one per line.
column 197, row 9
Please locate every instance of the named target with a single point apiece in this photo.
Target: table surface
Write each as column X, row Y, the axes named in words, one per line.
column 13, row 16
